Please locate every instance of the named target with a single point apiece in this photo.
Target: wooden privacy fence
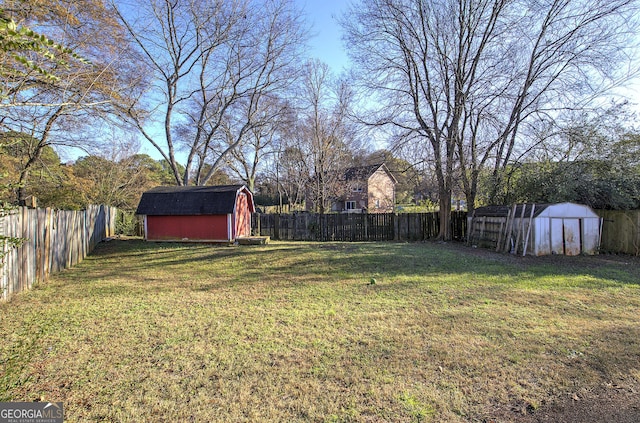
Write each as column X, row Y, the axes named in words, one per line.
column 355, row 226
column 53, row 240
column 620, row 231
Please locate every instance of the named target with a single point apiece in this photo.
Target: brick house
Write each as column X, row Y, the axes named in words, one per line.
column 364, row 189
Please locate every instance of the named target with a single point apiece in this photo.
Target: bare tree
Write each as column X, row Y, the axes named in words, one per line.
column 213, row 64
column 324, row 135
column 290, row 174
column 261, row 141
column 462, row 79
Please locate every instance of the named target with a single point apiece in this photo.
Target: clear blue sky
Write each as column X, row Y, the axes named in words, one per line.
column 326, row 43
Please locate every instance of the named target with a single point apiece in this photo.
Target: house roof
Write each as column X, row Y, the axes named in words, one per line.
column 185, row 201
column 362, row 173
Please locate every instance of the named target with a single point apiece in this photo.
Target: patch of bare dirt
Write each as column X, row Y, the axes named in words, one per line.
column 617, row 402
column 583, row 261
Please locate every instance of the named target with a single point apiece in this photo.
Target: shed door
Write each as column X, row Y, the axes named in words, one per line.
column 243, row 216
column 565, row 236
column 571, row 230
column 557, row 236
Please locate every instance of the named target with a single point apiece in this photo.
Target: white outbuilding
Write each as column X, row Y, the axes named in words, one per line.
column 537, row 229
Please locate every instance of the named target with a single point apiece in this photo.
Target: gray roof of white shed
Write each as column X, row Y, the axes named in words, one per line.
column 554, row 209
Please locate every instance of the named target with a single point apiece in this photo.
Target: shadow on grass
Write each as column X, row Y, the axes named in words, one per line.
column 433, row 259
column 444, row 302
column 143, row 266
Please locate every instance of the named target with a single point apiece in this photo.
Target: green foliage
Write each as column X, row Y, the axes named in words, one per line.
column 596, row 183
column 18, row 42
column 422, row 206
column 119, row 183
column 47, row 179
column 127, row 223
column 266, row 194
column 23, row 146
column 90, row 180
column 606, row 175
column 166, row 174
column 7, row 243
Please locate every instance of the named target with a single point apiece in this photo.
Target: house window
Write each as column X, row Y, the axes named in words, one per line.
column 357, row 189
column 350, row 205
column 377, row 203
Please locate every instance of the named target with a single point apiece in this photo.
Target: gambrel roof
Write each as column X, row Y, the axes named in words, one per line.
column 543, row 209
column 187, row 201
column 503, row 211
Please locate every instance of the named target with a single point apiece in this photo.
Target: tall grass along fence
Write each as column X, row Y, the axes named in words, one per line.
column 356, row 227
column 52, row 240
column 620, row 231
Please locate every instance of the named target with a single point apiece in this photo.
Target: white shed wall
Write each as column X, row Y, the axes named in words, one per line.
column 570, row 236
column 564, row 228
column 541, row 237
column 591, row 231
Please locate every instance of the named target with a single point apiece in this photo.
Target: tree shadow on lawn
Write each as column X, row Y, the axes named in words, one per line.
column 427, row 275
column 315, row 261
column 124, row 267
column 392, row 260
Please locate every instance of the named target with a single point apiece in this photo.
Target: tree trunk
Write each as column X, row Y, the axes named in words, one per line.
column 21, row 192
column 444, row 233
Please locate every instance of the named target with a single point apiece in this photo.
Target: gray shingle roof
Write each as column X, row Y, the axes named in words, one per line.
column 186, row 201
column 362, row 173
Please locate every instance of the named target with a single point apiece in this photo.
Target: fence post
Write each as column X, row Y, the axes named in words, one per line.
column 394, row 226
column 366, row 226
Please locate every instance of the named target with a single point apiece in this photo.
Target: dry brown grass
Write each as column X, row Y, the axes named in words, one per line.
column 319, row 332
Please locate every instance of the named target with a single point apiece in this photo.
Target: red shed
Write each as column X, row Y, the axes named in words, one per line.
column 201, row 214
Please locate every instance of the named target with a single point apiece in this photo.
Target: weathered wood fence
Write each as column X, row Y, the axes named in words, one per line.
column 620, row 231
column 54, row 240
column 619, row 234
column 355, row 226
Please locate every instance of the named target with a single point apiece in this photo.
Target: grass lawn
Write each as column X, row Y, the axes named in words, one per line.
column 330, row 332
